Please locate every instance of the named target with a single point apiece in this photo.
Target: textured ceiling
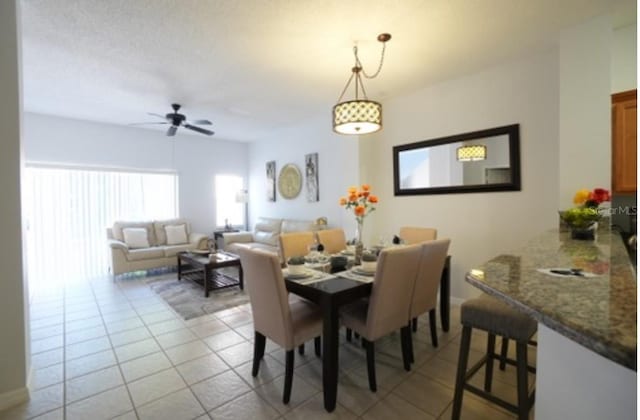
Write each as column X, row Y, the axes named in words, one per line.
column 254, row 65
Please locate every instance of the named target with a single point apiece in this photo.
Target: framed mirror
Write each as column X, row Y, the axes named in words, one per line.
column 485, row 160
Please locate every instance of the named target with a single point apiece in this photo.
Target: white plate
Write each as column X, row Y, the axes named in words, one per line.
column 345, row 252
column 362, row 272
column 298, row 276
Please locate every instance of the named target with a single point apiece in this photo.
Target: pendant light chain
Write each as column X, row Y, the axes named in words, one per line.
column 374, row 75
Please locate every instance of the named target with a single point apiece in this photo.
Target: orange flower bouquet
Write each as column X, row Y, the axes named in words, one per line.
column 362, row 203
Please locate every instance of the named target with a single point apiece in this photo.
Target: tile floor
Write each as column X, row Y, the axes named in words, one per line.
column 103, row 350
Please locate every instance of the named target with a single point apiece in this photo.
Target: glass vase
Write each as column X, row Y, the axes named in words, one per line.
column 584, row 233
column 358, row 242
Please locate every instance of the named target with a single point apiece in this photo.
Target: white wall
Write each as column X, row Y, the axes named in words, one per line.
column 13, row 317
column 585, row 108
column 480, row 225
column 337, row 169
column 624, row 59
column 197, row 159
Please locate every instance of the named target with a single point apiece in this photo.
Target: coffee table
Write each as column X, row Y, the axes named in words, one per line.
column 203, row 270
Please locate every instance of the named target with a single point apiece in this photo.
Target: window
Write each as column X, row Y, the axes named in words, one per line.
column 228, row 209
column 67, row 211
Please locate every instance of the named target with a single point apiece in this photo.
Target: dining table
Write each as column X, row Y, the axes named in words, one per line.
column 332, row 292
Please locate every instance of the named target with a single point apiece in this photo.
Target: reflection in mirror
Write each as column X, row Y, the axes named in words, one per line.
column 485, row 160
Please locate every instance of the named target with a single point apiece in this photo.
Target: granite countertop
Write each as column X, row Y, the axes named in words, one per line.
column 597, row 312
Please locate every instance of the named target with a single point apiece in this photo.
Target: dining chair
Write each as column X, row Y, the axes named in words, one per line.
column 386, row 309
column 333, row 240
column 414, row 235
column 427, row 282
column 287, row 321
column 295, row 244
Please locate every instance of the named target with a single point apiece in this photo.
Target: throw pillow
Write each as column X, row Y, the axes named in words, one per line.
column 176, row 234
column 136, row 237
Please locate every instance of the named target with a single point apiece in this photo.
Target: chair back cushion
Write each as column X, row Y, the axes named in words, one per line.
column 425, row 291
column 333, row 240
column 392, row 289
column 415, row 235
column 295, row 244
column 268, row 295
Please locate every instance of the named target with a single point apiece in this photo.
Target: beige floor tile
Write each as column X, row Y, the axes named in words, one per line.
column 220, row 389
column 475, row 409
column 105, row 405
column 389, row 372
column 74, row 351
column 355, row 394
column 155, row 386
column 248, row 406
column 202, row 368
column 47, row 358
column 175, row 338
column 42, row 378
column 313, row 409
column 440, row 370
column 301, row 391
column 223, row 340
column 86, row 364
column 237, row 354
column 270, row 369
column 45, row 344
column 127, row 324
column 130, row 336
column 160, row 316
column 144, row 366
column 51, row 415
column 237, row 319
column 188, row 351
column 46, row 332
column 135, row 350
column 392, row 407
column 131, row 415
column 426, row 394
column 166, row 326
column 82, row 324
column 211, row 327
column 84, row 335
column 93, row 383
column 181, row 405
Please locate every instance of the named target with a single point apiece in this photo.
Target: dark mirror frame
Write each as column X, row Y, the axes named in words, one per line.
column 513, row 131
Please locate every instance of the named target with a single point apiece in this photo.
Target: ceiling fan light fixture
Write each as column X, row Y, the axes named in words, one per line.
column 360, row 115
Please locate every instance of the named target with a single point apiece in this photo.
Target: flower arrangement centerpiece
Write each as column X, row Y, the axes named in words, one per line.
column 362, row 203
column 582, row 218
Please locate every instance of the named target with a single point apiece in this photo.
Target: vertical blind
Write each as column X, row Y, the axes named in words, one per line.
column 67, row 211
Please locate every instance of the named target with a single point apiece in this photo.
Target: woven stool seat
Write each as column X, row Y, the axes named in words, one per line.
column 489, row 314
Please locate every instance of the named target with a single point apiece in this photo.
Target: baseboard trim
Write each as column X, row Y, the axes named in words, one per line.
column 15, row 397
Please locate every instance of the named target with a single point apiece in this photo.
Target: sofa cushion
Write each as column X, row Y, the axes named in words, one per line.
column 172, row 250
column 137, row 237
column 235, row 246
column 267, row 231
column 298, row 226
column 176, row 234
column 118, row 226
column 144, row 254
column 161, row 235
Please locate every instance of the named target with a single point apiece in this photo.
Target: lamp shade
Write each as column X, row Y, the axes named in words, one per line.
column 470, row 153
column 242, row 196
column 357, row 117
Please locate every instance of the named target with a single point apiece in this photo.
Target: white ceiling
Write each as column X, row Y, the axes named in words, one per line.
column 254, row 65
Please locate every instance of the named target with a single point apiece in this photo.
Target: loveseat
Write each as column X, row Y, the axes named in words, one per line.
column 266, row 234
column 152, row 244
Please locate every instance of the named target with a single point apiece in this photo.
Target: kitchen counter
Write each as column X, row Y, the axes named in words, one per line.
column 598, row 313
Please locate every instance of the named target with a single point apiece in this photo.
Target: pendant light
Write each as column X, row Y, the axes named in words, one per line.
column 471, row 153
column 360, row 115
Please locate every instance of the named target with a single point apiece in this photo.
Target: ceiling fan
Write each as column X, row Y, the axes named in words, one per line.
column 179, row 120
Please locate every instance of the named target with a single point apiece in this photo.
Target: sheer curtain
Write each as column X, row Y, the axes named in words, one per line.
column 68, row 210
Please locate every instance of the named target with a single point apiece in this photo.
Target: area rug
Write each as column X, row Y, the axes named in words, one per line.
column 187, row 298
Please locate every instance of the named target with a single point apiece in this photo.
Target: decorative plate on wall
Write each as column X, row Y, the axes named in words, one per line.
column 289, row 181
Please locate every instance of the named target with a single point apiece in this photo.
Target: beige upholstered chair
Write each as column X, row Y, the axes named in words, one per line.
column 425, row 290
column 415, row 235
column 333, row 240
column 387, row 308
column 287, row 322
column 295, row 244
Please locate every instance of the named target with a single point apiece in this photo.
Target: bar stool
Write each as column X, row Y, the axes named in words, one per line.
column 496, row 318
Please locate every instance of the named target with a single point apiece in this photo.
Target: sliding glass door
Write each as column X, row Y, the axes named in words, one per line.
column 67, row 211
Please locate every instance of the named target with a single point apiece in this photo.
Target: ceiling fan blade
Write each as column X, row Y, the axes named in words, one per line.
column 157, row 115
column 201, row 122
column 143, row 123
column 172, row 130
column 198, row 129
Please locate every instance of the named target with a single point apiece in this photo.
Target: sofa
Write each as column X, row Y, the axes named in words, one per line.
column 150, row 244
column 266, row 234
